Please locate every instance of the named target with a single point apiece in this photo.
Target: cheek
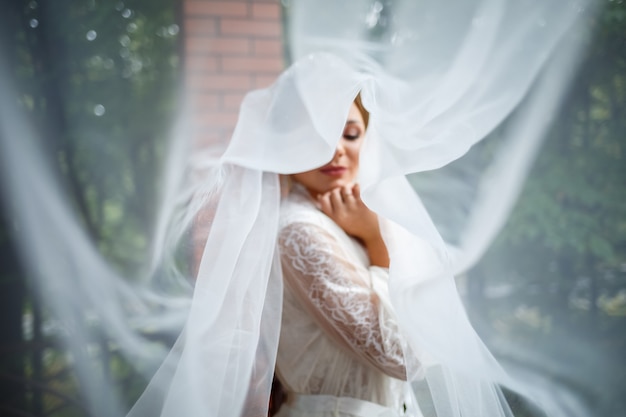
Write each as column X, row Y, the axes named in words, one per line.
column 354, row 152
column 301, row 177
column 308, row 179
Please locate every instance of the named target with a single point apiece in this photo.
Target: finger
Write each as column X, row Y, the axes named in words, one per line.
column 356, row 191
column 324, row 202
column 336, row 200
column 346, row 191
column 348, row 195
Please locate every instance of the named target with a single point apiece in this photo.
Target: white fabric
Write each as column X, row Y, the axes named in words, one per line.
column 292, row 127
column 329, row 406
column 339, row 334
column 437, row 79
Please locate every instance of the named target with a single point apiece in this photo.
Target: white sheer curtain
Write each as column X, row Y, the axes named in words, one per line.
column 436, row 77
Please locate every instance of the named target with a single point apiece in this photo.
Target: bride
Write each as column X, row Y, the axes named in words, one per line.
column 344, row 287
column 340, row 350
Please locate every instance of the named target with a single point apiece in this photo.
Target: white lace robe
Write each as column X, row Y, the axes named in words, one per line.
column 339, row 335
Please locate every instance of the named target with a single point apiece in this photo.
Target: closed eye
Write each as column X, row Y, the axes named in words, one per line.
column 351, row 133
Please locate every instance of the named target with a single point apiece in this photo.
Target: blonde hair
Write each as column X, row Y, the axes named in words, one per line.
column 364, row 113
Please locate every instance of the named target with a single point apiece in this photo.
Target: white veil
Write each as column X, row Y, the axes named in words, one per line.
column 436, row 77
column 432, row 91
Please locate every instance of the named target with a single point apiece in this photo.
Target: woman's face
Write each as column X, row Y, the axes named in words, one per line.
column 343, row 168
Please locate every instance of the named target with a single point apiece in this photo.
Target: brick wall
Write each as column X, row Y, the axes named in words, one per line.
column 231, row 47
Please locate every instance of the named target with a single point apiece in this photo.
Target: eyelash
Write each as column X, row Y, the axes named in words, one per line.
column 347, row 136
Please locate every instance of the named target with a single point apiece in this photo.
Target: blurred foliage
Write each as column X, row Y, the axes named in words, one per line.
column 556, row 276
column 99, row 82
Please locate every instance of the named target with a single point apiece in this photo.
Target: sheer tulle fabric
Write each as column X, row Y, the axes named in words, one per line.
column 437, row 80
column 432, row 93
column 223, row 354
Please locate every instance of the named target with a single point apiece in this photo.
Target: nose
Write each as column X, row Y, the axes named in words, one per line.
column 340, row 150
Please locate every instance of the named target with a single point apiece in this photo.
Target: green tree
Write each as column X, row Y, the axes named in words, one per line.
column 98, row 80
column 563, row 251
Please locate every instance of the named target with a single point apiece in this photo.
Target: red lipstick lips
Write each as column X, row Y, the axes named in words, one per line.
column 333, row 171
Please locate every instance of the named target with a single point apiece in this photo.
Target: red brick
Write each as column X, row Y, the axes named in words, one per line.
column 206, row 26
column 251, row 65
column 245, row 27
column 226, row 46
column 216, row 119
column 262, row 81
column 201, row 63
column 205, row 102
column 215, row 137
column 203, row 220
column 216, row 8
column 267, row 47
column 232, row 101
column 211, row 82
column 208, row 135
column 266, row 11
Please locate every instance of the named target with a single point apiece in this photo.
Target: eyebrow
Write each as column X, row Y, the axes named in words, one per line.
column 356, row 122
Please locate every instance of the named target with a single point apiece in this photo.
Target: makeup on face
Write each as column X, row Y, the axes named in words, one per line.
column 343, row 168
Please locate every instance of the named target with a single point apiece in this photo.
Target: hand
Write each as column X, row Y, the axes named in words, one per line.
column 345, row 207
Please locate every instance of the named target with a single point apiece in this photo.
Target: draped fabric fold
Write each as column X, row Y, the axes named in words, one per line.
column 448, row 74
column 221, row 349
column 437, row 77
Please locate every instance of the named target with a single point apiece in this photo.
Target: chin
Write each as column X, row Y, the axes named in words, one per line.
column 335, row 184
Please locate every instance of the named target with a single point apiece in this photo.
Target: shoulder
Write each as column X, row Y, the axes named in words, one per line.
column 298, row 208
column 302, row 223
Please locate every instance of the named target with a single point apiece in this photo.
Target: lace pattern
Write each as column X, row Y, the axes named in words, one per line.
column 337, row 292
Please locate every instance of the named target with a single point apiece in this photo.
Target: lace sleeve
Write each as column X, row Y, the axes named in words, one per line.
column 339, row 295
